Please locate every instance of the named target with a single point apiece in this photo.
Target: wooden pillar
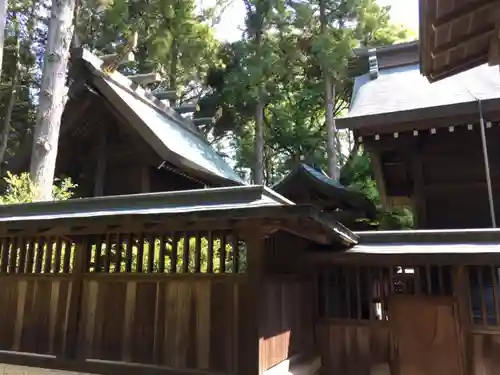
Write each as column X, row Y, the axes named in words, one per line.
column 419, row 198
column 250, row 361
column 73, row 313
column 100, row 174
column 376, row 162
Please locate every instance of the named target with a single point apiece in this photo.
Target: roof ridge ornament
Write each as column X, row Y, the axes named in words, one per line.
column 373, row 63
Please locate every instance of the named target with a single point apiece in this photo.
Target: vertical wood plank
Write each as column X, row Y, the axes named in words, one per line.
column 30, row 256
column 47, row 267
column 185, row 253
column 118, row 263
column 210, row 253
column 175, row 243
column 140, row 253
column 222, row 251
column 20, row 311
column 54, row 302
column 21, row 268
column 130, row 305
column 73, row 315
column 203, row 297
column 4, row 259
column 68, row 250
column 40, row 249
column 88, row 340
column 197, row 253
column 151, row 253
column 58, row 255
column 159, row 334
column 161, row 253
column 129, row 242
column 13, row 255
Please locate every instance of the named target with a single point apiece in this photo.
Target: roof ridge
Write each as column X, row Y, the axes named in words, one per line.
column 135, row 89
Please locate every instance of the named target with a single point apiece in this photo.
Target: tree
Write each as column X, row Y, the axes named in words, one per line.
column 331, row 129
column 52, row 97
column 3, row 19
column 257, row 13
column 6, row 126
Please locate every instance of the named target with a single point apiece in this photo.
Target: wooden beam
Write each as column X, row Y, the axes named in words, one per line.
column 186, row 108
column 165, row 95
column 144, row 79
column 484, row 32
column 461, row 12
column 129, row 57
column 204, row 121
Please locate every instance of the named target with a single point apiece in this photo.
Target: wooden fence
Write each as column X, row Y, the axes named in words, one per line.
column 353, row 331
column 167, row 300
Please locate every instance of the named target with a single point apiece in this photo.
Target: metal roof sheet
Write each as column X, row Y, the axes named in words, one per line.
column 173, row 138
column 428, row 248
column 403, row 89
column 144, row 204
column 345, row 197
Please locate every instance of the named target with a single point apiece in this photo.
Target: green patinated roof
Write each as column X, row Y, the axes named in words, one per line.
column 142, row 204
column 174, row 138
column 229, row 203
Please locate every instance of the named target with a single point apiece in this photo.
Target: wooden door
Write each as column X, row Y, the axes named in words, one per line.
column 426, row 334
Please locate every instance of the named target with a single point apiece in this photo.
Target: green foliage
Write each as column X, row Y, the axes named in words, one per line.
column 20, row 189
column 177, row 40
column 152, row 247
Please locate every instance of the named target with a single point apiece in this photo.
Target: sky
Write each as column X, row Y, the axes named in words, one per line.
column 403, row 12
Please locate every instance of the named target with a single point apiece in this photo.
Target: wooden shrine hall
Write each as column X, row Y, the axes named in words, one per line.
column 206, row 275
column 117, row 138
column 426, row 301
column 425, row 139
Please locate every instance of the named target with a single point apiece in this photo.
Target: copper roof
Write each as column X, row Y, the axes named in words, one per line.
column 455, row 35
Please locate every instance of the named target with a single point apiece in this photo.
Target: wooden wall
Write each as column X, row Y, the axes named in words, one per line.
column 348, row 348
column 287, row 323
column 437, row 170
column 184, row 323
column 174, row 300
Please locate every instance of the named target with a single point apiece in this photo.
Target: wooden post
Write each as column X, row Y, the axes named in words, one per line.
column 461, row 292
column 73, row 313
column 251, row 304
column 101, row 163
column 418, row 189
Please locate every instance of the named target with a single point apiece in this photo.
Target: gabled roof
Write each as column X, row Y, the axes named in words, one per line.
column 175, row 139
column 402, row 94
column 314, row 182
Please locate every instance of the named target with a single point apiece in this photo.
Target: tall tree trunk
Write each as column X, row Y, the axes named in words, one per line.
column 329, row 97
column 259, row 141
column 3, row 20
column 52, row 97
column 5, row 130
column 258, row 170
